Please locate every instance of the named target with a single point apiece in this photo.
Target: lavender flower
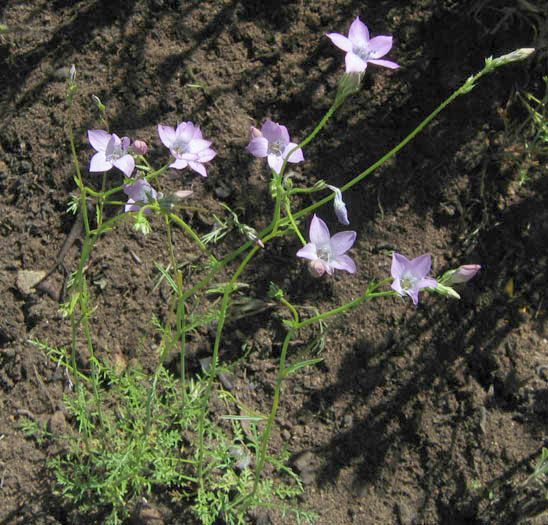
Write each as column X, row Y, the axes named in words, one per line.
column 272, row 141
column 326, row 252
column 360, row 50
column 339, row 205
column 410, row 276
column 111, row 151
column 187, row 145
column 139, row 192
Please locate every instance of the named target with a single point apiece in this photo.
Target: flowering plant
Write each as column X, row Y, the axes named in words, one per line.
column 325, row 253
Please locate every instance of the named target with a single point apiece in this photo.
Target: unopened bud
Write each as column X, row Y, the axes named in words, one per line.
column 72, row 73
column 251, row 234
column 462, row 274
column 340, row 206
column 254, row 132
column 140, row 147
column 348, row 84
column 515, row 56
column 98, row 103
column 316, row 268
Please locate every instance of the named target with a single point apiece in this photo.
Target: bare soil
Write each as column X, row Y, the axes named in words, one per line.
column 433, row 414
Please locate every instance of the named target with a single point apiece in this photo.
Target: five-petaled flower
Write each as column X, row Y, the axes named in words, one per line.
column 411, row 276
column 326, row 253
column 272, row 141
column 111, row 151
column 139, row 193
column 187, row 145
column 360, row 49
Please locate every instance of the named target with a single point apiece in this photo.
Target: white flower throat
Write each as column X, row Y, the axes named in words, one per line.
column 324, row 253
column 276, row 147
column 179, row 147
column 363, row 52
column 115, row 153
column 408, row 281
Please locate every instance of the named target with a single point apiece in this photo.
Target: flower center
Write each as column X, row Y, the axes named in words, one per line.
column 276, row 147
column 179, row 147
column 362, row 51
column 324, row 253
column 116, row 153
column 408, row 281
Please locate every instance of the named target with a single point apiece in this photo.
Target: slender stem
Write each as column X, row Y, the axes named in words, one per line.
column 292, row 221
column 190, row 231
column 370, row 293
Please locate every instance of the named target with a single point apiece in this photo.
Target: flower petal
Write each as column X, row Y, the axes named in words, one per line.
column 358, row 33
column 185, row 131
column 385, row 63
column 167, row 135
column 258, row 147
column 308, row 252
column 319, row 232
column 400, row 263
column 342, row 242
column 354, row 64
column 420, row 266
column 275, row 162
column 206, row 155
column 380, row 45
column 197, row 145
column 396, row 286
column 271, row 131
column 98, row 138
column 198, row 167
column 99, row 162
column 340, row 41
column 343, row 262
column 296, row 156
column 427, row 282
column 126, row 164
column 284, row 134
column 179, row 164
column 414, row 294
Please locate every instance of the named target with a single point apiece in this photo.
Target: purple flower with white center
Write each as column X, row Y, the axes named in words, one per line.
column 111, row 151
column 339, row 205
column 411, row 276
column 139, row 192
column 187, row 145
column 326, row 252
column 360, row 50
column 273, row 142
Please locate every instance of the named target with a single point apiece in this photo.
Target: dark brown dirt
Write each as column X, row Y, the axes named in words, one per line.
column 430, row 415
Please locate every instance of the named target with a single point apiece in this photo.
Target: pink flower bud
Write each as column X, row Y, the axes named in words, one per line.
column 316, row 268
column 463, row 274
column 254, row 133
column 140, row 147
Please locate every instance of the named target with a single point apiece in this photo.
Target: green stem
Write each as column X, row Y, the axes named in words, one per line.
column 190, row 231
column 292, row 221
column 370, row 293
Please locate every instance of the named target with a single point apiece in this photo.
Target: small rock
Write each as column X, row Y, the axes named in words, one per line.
column 57, row 424
column 28, row 279
column 308, row 477
column 303, row 461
